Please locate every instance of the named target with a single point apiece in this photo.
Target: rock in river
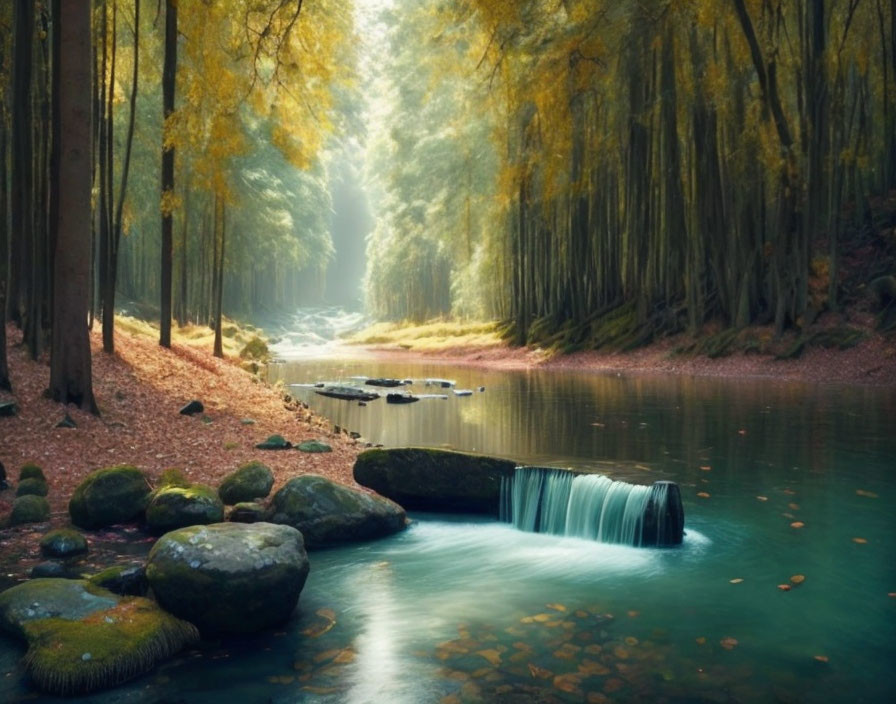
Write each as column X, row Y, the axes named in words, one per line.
column 328, row 513
column 63, row 542
column 109, row 496
column 252, row 480
column 434, row 480
column 229, row 577
column 82, row 638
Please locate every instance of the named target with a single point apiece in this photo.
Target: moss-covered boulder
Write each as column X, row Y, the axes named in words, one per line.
column 274, row 442
column 251, row 481
column 328, row 513
column 126, row 580
column 176, row 507
column 247, row 512
column 29, row 470
column 29, row 509
column 32, row 486
column 63, row 542
column 434, row 480
column 82, row 638
column 173, row 477
column 313, row 446
column 229, row 577
column 109, row 496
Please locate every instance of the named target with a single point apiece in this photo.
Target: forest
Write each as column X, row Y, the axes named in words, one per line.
column 588, row 173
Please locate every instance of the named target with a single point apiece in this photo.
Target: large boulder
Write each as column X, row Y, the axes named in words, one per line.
column 252, row 480
column 434, row 480
column 82, row 638
column 328, row 513
column 176, row 507
column 109, row 496
column 33, row 486
column 229, row 577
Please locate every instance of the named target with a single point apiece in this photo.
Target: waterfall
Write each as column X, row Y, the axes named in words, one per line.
column 592, row 506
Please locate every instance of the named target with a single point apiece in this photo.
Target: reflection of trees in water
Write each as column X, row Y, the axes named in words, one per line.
column 621, row 425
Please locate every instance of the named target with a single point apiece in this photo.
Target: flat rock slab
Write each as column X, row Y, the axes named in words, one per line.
column 229, row 577
column 434, row 480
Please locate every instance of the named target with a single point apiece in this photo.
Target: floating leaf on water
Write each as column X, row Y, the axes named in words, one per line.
column 736, row 580
column 345, row 656
column 784, row 587
column 326, row 655
column 797, row 524
column 703, row 494
column 620, row 652
column 613, row 684
column 867, row 494
column 701, row 640
column 820, row 658
column 728, row 643
column 631, row 640
column 568, row 683
column 567, row 651
column 481, row 672
column 630, row 614
column 793, row 507
column 556, row 607
column 762, row 498
column 592, row 667
column 597, row 698
column 892, row 595
column 798, row 578
column 326, row 613
column 493, row 656
column 595, row 649
column 741, row 432
column 581, row 613
column 860, row 541
column 321, row 690
column 706, row 468
column 539, row 672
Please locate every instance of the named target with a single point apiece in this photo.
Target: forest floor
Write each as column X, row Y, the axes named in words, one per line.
column 870, row 362
column 140, row 390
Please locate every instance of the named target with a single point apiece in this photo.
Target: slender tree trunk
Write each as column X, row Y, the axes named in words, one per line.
column 70, row 371
column 169, row 71
column 4, row 247
column 219, row 345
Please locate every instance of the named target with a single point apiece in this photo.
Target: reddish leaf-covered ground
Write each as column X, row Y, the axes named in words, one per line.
column 140, row 390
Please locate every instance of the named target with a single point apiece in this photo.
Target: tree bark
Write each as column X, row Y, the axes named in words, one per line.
column 169, row 71
column 70, row 371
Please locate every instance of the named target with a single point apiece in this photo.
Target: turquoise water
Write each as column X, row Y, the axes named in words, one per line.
column 459, row 609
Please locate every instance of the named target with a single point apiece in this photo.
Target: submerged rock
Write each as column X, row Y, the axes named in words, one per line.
column 328, row 513
column 252, row 480
column 274, row 442
column 176, row 507
column 192, row 408
column 29, row 509
column 50, row 568
column 434, row 480
column 63, row 542
column 109, row 496
column 32, row 485
column 82, row 638
column 229, row 577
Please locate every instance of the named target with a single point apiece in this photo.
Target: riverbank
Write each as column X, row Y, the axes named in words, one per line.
column 140, row 390
column 871, row 361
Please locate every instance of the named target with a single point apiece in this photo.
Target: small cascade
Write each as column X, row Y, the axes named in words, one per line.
column 592, row 506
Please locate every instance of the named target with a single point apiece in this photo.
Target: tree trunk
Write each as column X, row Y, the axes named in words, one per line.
column 4, row 250
column 169, row 71
column 219, row 346
column 70, row 370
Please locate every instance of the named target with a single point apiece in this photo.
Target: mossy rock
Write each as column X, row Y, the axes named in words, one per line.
column 247, row 512
column 63, row 542
column 173, row 477
column 82, row 638
column 328, row 513
column 29, row 509
column 229, row 577
column 274, row 442
column 126, row 580
column 29, row 470
column 176, row 507
column 32, row 486
column 109, row 496
column 434, row 480
column 313, row 446
column 252, row 480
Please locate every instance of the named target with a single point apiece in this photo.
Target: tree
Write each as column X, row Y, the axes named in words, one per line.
column 70, row 360
column 169, row 73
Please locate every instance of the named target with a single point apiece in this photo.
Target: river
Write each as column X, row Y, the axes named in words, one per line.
column 779, row 481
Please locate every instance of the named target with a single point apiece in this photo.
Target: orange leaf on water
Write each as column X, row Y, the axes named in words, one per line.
column 736, row 580
column 784, row 587
column 762, row 498
column 701, row 640
column 868, row 494
column 706, row 468
column 821, row 658
column 703, row 494
column 798, row 578
column 728, row 643
column 797, row 524
column 860, row 541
